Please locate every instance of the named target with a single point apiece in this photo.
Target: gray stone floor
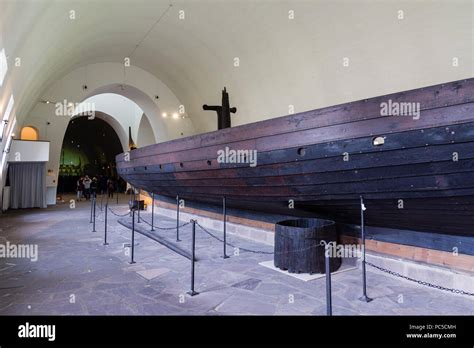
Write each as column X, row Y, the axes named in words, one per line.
column 76, row 274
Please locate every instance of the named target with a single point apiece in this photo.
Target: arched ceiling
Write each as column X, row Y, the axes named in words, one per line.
column 283, row 61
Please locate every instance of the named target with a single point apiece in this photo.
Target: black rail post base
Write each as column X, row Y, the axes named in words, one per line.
column 224, row 214
column 364, row 296
column 193, row 259
column 132, row 260
column 177, row 219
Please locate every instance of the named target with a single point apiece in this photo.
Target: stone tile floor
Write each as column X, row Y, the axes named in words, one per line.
column 76, row 274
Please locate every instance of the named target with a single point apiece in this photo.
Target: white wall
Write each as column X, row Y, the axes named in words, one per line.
column 145, row 134
column 28, row 151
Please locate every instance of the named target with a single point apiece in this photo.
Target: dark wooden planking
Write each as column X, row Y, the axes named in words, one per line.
column 453, row 93
column 445, row 223
column 407, row 162
column 415, row 164
column 426, row 154
column 462, row 113
column 365, row 174
column 405, row 140
column 283, row 199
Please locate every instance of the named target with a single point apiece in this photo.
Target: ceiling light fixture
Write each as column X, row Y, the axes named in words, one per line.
column 164, row 115
column 47, row 102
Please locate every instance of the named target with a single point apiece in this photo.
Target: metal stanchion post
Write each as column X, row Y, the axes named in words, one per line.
column 328, row 281
column 132, row 261
column 138, row 206
column 192, row 292
column 105, row 225
column 362, row 231
column 130, row 200
column 93, row 220
column 118, row 192
column 177, row 218
column 92, row 202
column 153, row 211
column 224, row 213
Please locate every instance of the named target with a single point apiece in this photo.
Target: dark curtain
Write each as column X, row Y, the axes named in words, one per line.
column 27, row 185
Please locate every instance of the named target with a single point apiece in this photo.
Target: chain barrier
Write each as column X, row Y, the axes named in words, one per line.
column 164, row 228
column 119, row 215
column 233, row 246
column 434, row 286
column 385, row 270
column 439, row 287
column 254, row 251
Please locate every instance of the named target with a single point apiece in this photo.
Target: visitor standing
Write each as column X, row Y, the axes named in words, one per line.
column 94, row 186
column 87, row 187
column 79, row 188
column 110, row 188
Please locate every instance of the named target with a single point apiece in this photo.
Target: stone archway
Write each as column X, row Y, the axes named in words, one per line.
column 89, row 148
column 149, row 107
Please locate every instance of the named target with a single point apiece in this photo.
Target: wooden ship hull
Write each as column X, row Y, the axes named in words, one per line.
column 421, row 178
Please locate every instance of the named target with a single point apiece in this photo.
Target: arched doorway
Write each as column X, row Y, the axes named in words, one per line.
column 89, row 148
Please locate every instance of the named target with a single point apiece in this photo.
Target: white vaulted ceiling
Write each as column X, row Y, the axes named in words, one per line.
column 283, row 61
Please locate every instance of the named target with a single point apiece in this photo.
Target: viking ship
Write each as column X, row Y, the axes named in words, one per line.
column 415, row 171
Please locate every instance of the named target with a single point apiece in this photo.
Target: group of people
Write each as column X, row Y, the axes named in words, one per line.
column 87, row 187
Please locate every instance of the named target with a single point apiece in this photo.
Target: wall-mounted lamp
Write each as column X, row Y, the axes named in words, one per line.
column 174, row 115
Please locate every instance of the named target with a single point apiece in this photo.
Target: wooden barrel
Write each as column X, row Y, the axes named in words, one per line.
column 298, row 248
